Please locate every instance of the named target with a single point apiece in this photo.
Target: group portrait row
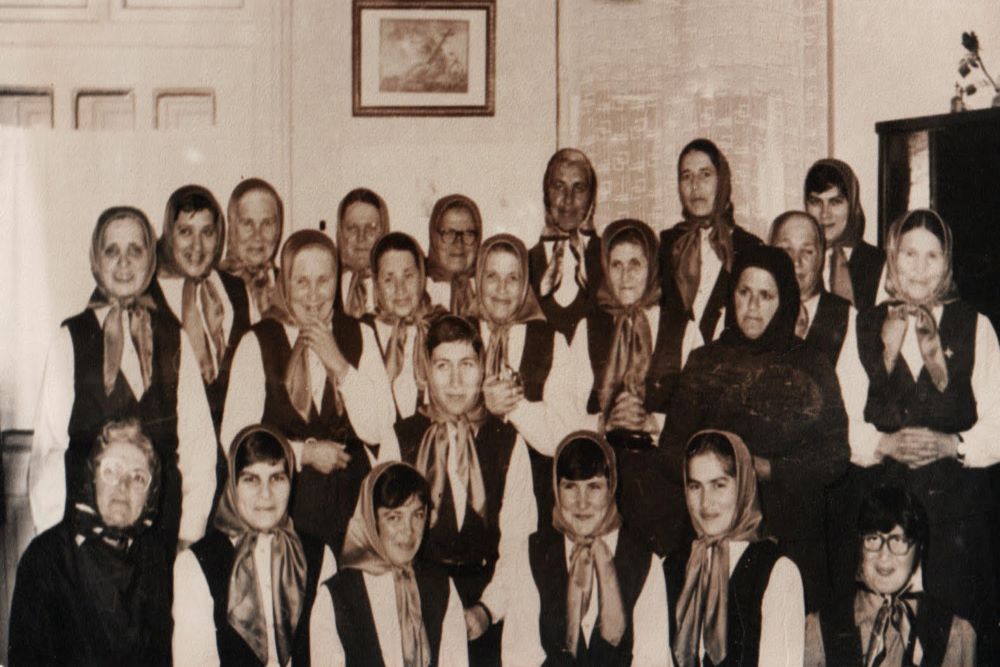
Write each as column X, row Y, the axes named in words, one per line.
column 692, row 448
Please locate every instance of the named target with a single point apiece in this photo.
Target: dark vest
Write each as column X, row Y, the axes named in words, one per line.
column 746, row 593
column 156, row 409
column 865, row 268
column 322, row 504
column 547, row 555
column 829, row 326
column 215, row 554
column 842, row 642
column 468, row 555
column 356, row 624
column 565, row 318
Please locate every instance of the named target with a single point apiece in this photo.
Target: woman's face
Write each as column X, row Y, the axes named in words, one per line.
column 360, row 228
column 457, row 256
column 832, row 209
column 313, row 285
column 503, row 282
column 122, row 484
column 756, row 301
column 398, row 282
column 883, row 571
column 711, row 494
column 124, row 258
column 698, row 183
column 628, row 271
column 570, row 194
column 262, row 491
column 255, row 228
column 402, row 529
column 194, row 239
column 584, row 502
column 456, row 376
column 920, row 264
column 797, row 237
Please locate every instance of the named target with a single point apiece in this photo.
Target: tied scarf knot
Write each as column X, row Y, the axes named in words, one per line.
column 413, row 634
column 463, row 297
column 552, row 276
column 299, row 385
column 703, row 604
column 256, row 278
column 893, row 629
column 611, row 614
column 686, row 253
column 191, row 321
column 432, row 457
column 357, row 294
column 928, row 338
column 141, row 331
column 840, row 275
column 630, row 358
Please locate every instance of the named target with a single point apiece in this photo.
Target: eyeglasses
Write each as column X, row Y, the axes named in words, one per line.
column 115, row 471
column 899, row 545
column 451, row 236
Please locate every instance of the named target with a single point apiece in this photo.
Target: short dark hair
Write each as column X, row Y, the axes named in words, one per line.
column 453, row 329
column 395, row 241
column 258, row 446
column 194, row 201
column 582, row 458
column 712, row 442
column 397, row 484
column 889, row 506
column 822, row 176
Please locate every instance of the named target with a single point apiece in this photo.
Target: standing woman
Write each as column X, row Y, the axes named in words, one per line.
column 734, row 599
column 362, row 219
column 781, row 397
column 316, row 377
column 387, row 605
column 123, row 357
column 243, row 593
column 933, row 409
column 456, row 230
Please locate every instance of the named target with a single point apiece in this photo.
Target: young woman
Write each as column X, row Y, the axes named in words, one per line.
column 243, row 593
column 315, row 376
column 782, row 397
column 362, row 219
column 95, row 589
column 734, row 599
column 386, row 605
column 888, row 619
column 456, row 230
column 124, row 357
column 588, row 593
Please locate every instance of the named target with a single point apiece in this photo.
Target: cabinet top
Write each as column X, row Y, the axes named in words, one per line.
column 989, row 116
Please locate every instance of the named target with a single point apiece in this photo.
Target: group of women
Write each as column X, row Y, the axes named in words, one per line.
column 624, row 449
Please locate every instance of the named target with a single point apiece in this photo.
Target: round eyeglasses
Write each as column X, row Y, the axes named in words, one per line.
column 115, row 471
column 451, row 236
column 899, row 545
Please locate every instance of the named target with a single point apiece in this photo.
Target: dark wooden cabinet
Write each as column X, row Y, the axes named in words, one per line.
column 950, row 163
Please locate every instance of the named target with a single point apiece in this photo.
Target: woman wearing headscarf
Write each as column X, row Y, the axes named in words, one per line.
column 256, row 218
column 95, row 589
column 362, row 219
column 388, row 605
column 932, row 415
column 625, row 361
column 781, row 397
column 734, row 599
column 315, row 376
column 123, row 357
column 565, row 264
column 832, row 195
column 210, row 306
column 403, row 313
column 244, row 592
column 697, row 254
column 454, row 234
column 588, row 592
column 887, row 618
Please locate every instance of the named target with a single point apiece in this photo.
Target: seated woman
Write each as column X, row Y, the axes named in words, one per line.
column 386, row 605
column 95, row 589
column 243, row 593
column 734, row 599
column 588, row 593
column 456, row 230
column 315, row 376
column 888, row 619
column 781, row 396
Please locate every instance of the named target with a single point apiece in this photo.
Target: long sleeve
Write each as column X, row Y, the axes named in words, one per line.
column 247, row 391
column 367, row 393
column 782, row 618
column 541, row 422
column 650, row 624
column 982, row 441
column 47, row 467
column 194, row 624
column 32, row 608
column 863, row 436
column 521, row 645
column 454, row 648
column 325, row 648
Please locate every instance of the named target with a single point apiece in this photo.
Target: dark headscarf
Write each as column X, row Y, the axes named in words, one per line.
column 577, row 157
column 257, row 278
column 462, row 295
column 780, row 332
column 854, row 230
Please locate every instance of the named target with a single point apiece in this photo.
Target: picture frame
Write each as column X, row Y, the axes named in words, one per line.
column 424, row 58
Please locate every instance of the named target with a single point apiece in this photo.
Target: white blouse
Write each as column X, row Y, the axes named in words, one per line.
column 404, row 387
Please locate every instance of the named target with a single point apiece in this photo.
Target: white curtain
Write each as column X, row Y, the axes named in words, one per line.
column 638, row 79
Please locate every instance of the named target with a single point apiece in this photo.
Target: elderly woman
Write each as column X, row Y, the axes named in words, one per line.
column 243, row 593
column 256, row 217
column 888, row 619
column 362, row 219
column 316, row 377
column 781, row 396
column 95, row 589
column 456, row 230
column 734, row 598
column 589, row 592
column 123, row 357
column 387, row 605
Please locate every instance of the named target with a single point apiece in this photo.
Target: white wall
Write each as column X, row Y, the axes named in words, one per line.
column 898, row 59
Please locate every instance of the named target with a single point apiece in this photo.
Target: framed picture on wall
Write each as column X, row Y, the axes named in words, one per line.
column 420, row 58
